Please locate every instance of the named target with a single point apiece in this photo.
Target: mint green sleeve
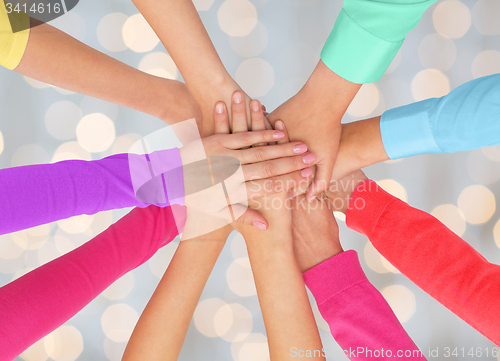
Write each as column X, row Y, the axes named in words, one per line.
column 368, row 34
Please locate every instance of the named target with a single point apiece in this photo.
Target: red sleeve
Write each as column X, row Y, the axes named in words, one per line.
column 431, row 255
column 37, row 303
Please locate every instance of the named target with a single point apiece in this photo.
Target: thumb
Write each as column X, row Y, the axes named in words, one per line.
column 321, row 181
column 252, row 218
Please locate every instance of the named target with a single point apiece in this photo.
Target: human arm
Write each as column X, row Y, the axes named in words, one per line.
column 37, row 303
column 429, row 254
column 359, row 317
column 465, row 119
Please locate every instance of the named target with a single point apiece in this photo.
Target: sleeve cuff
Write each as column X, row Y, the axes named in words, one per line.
column 407, row 130
column 366, row 205
column 334, row 275
column 14, row 35
column 169, row 164
column 355, row 54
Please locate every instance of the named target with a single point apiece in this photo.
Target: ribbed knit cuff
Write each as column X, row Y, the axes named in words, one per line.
column 366, row 205
column 355, row 54
column 407, row 130
column 13, row 39
column 334, row 275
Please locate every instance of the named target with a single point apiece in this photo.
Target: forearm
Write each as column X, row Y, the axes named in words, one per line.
column 163, row 325
column 56, row 58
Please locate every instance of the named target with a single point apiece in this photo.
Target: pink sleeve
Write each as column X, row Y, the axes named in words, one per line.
column 431, row 255
column 361, row 320
column 37, row 303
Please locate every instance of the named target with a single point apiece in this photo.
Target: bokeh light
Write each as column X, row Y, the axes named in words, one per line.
column 237, row 17
column 9, row 249
column 233, row 322
column 485, row 15
column 401, row 300
column 95, row 132
column 1, row 143
column 253, row 348
column 480, row 169
column 123, row 143
column 29, row 154
column 118, row 322
column 437, row 51
column 256, row 76
column 492, row 153
column 138, row 34
column 252, row 44
column 451, row 217
column 496, row 233
column 32, row 238
column 204, row 316
column 376, row 261
column 64, row 344
column 486, row 63
column 239, row 278
column 120, row 288
column 69, row 151
column 238, row 245
column 35, row 352
column 451, row 18
column 477, row 203
column 62, row 118
column 77, row 224
column 394, row 188
column 395, row 63
column 429, row 83
column 365, row 102
column 159, row 262
column 159, row 64
column 72, row 24
column 109, row 32
column 114, row 350
column 203, row 5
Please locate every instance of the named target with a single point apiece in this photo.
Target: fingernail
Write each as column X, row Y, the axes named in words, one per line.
column 312, row 198
column 299, row 148
column 306, row 172
column 279, row 125
column 219, row 108
column 237, row 98
column 255, row 106
column 266, row 113
column 308, row 158
column 290, row 194
column 260, row 225
column 278, row 135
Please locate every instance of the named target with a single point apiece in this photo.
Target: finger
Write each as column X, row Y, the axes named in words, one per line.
column 238, row 112
column 264, row 108
column 275, row 167
column 258, row 121
column 280, row 125
column 221, row 119
column 261, row 154
column 247, row 139
column 253, row 218
column 260, row 188
column 321, row 181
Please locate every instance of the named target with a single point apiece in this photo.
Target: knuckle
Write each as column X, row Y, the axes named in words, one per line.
column 260, row 154
column 270, row 170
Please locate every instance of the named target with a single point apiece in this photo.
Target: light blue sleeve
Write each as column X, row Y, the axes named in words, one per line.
column 467, row 118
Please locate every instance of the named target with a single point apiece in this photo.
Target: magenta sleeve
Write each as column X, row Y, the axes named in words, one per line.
column 37, row 303
column 360, row 319
column 38, row 194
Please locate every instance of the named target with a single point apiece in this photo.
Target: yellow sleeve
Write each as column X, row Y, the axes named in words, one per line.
column 12, row 45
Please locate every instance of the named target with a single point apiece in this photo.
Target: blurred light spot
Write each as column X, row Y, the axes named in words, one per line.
column 109, row 32
column 90, row 105
column 47, row 253
column 376, row 261
column 1, row 143
column 237, row 17
column 395, row 63
column 253, row 348
column 9, row 249
column 252, row 44
column 77, row 224
column 233, row 322
column 256, row 76
column 238, row 246
column 138, row 35
column 289, row 88
column 35, row 352
column 118, row 322
column 114, row 350
column 339, row 216
column 159, row 262
column 479, row 168
column 204, row 316
column 239, row 278
column 203, row 5
column 72, row 24
column 70, row 150
column 392, row 161
column 159, row 64
column 365, row 102
column 436, row 51
column 101, row 221
column 477, row 204
column 485, row 15
column 452, row 217
column 95, row 132
column 64, row 344
column 496, row 234
column 394, row 188
column 401, row 300
column 486, row 63
column 451, row 19
column 320, row 321
column 36, row 84
column 429, row 83
column 32, row 238
column 11, row 266
column 120, row 288
column 63, row 244
column 29, row 154
column 492, row 153
column 123, row 143
column 21, row 273
column 62, row 118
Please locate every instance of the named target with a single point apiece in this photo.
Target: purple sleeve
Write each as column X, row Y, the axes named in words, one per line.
column 39, row 194
column 360, row 319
